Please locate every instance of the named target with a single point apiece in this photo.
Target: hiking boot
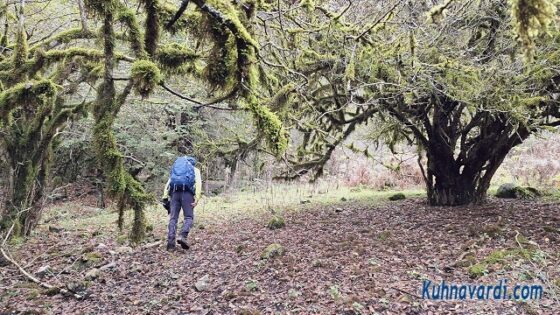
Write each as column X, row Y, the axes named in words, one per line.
column 170, row 247
column 183, row 242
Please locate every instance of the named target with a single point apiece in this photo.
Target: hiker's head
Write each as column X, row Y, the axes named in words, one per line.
column 191, row 160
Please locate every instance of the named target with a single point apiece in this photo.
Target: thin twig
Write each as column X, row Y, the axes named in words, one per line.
column 378, row 20
column 27, row 274
column 406, row 292
column 199, row 104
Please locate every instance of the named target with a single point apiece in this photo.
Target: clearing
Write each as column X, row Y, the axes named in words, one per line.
column 359, row 255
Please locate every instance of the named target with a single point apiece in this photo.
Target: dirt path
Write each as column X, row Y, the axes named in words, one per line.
column 354, row 259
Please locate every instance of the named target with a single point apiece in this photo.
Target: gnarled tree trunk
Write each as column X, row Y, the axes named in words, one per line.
column 460, row 169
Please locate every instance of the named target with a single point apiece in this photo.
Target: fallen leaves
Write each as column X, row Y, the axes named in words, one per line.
column 362, row 260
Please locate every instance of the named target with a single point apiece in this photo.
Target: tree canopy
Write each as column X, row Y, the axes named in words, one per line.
column 461, row 81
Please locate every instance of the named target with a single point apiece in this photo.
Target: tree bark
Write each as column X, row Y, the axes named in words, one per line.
column 458, row 181
column 453, row 191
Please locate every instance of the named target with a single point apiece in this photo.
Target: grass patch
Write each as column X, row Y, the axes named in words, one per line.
column 215, row 210
column 477, row 270
column 504, row 258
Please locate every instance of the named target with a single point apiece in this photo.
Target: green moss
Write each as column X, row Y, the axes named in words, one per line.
column 65, row 37
column 385, row 235
column 477, row 270
column 127, row 191
column 397, row 196
column 138, row 232
column 21, row 49
column 270, row 125
column 231, row 14
column 528, row 192
column 309, row 5
column 281, row 99
column 276, row 222
column 190, row 21
column 350, row 72
column 38, row 92
column 510, row 190
column 272, row 251
column 530, row 19
column 222, row 64
column 146, row 76
column 122, row 239
column 251, row 285
column 503, row 257
column 175, row 58
column 3, row 41
column 128, row 18
column 497, row 256
column 437, row 12
column 92, row 258
column 58, row 55
column 101, row 7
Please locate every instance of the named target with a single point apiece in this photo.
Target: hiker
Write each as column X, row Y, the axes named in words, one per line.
column 183, row 190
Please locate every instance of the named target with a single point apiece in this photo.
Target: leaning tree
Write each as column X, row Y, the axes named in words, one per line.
column 450, row 79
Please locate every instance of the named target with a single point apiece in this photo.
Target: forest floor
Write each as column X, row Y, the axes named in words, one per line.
column 359, row 255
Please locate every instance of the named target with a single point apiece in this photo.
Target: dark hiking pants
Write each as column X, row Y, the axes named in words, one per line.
column 180, row 199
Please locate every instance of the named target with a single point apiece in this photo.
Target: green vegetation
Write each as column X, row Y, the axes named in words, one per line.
column 146, row 76
column 477, row 270
column 398, row 196
column 463, row 114
column 272, row 251
column 96, row 104
column 503, row 258
column 225, row 208
column 514, row 191
column 385, row 235
column 46, row 81
column 276, row 222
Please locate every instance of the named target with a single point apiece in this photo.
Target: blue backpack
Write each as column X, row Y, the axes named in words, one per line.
column 182, row 175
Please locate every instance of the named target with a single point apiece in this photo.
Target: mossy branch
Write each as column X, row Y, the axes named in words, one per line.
column 32, row 92
column 530, row 19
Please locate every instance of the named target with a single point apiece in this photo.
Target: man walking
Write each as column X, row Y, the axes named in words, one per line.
column 183, row 190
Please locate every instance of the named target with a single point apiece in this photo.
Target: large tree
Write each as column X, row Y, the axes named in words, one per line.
column 37, row 85
column 449, row 79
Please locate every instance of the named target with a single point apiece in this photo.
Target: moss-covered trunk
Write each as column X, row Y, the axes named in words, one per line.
column 128, row 192
column 28, row 177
